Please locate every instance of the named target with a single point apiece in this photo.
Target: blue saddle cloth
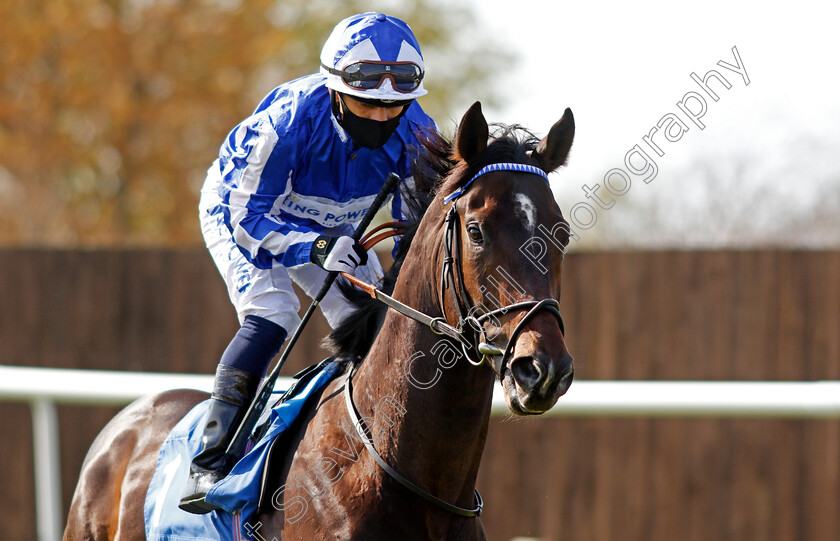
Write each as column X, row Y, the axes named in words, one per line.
column 238, row 493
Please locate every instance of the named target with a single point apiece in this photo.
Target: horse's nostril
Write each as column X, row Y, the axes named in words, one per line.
column 526, row 371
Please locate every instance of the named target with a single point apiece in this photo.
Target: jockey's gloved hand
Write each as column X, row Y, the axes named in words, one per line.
column 340, row 254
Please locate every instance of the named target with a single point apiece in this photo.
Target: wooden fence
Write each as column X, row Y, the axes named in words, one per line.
column 759, row 315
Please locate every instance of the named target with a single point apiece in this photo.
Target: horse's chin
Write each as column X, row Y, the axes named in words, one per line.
column 517, row 400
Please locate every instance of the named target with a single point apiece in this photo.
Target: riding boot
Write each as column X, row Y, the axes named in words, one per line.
column 233, row 391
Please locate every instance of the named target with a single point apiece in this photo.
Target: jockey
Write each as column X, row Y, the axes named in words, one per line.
column 280, row 203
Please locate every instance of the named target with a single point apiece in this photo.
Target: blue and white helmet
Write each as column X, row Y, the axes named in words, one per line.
column 373, row 56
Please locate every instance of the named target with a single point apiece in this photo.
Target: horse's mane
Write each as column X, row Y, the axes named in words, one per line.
column 436, row 169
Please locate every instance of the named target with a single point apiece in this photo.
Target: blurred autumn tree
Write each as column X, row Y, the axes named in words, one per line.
column 112, row 110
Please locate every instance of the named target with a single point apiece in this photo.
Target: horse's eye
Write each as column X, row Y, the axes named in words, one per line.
column 475, row 233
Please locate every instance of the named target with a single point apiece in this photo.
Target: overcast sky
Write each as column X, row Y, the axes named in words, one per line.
column 768, row 152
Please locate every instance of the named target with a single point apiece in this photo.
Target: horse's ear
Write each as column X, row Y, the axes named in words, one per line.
column 472, row 134
column 553, row 150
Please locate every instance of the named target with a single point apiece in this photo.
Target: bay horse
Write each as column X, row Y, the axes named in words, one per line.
column 391, row 448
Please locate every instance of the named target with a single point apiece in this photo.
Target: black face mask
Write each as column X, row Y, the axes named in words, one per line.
column 365, row 132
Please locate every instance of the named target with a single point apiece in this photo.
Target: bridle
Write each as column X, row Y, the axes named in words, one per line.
column 452, row 278
column 470, row 331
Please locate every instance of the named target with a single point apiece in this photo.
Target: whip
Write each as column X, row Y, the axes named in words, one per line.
column 252, row 415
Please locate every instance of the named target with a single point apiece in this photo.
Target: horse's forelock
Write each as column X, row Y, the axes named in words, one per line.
column 510, row 144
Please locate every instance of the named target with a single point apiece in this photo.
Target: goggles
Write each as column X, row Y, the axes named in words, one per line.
column 405, row 76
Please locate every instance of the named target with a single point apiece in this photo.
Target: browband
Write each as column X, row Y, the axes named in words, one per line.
column 520, row 167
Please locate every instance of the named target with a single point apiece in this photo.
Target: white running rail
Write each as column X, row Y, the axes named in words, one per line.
column 43, row 388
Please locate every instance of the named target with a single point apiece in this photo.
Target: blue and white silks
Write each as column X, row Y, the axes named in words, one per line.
column 290, row 173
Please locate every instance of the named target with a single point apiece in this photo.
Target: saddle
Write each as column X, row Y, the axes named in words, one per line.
column 240, row 494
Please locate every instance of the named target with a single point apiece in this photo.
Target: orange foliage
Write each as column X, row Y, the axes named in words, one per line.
column 112, row 110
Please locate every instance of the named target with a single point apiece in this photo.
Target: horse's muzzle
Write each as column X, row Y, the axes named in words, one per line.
column 536, row 382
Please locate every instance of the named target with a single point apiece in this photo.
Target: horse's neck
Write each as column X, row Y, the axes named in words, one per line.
column 440, row 412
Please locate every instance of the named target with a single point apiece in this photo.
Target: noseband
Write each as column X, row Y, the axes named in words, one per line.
column 470, row 331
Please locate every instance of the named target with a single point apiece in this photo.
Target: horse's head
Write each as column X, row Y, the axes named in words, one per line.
column 499, row 211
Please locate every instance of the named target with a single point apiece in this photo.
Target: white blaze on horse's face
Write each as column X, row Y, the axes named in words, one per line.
column 527, row 212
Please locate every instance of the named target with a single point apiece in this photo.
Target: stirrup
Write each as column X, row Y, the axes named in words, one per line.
column 199, row 483
column 195, row 502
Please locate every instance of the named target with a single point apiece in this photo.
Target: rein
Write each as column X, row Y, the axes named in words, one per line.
column 470, row 332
